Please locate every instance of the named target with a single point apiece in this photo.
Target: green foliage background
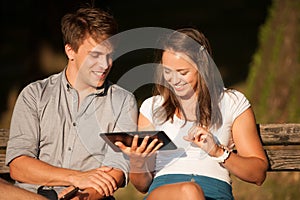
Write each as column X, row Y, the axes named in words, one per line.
column 273, row 89
column 274, row 78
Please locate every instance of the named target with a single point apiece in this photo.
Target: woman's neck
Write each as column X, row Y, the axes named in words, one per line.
column 189, row 106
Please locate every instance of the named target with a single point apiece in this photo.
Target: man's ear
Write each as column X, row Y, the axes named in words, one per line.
column 69, row 51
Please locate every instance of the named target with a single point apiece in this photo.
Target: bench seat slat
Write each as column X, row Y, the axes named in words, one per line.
column 284, row 159
column 3, row 167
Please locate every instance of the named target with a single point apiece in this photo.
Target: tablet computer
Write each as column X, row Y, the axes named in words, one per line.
column 127, row 137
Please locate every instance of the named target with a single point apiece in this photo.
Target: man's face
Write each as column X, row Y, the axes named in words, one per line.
column 93, row 62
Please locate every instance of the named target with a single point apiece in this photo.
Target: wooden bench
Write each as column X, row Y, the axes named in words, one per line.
column 281, row 143
column 4, row 134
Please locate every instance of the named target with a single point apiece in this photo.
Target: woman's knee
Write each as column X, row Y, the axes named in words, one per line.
column 192, row 190
column 183, row 190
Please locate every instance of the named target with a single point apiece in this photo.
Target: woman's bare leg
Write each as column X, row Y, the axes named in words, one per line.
column 182, row 190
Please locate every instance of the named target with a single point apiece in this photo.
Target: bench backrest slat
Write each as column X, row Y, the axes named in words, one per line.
column 280, row 134
column 4, row 134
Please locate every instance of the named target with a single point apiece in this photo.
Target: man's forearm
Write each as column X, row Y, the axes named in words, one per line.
column 119, row 176
column 30, row 170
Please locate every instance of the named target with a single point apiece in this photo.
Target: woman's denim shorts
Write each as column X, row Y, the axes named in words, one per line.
column 212, row 188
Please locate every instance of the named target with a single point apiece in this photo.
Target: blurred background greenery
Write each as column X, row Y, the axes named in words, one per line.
column 256, row 47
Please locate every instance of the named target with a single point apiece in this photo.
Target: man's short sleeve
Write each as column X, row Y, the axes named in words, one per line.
column 24, row 127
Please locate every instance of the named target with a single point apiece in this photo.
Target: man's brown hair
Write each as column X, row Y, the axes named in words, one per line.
column 86, row 22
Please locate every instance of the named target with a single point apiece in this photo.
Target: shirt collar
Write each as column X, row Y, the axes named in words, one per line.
column 65, row 82
column 100, row 91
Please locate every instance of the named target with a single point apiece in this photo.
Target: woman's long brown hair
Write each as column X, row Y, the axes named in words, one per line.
column 192, row 43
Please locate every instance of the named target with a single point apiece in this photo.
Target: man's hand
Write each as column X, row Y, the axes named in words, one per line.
column 97, row 179
column 68, row 193
column 86, row 194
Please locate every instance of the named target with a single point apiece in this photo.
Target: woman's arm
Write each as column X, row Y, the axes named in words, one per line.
column 250, row 163
column 142, row 158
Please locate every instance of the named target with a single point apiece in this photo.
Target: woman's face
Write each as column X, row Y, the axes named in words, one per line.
column 181, row 73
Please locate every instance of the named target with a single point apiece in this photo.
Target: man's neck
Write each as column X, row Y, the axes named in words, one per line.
column 72, row 78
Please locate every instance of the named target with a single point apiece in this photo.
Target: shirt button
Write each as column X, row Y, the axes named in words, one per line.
column 69, row 148
column 74, row 123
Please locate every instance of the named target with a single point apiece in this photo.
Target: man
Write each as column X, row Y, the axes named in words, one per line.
column 54, row 135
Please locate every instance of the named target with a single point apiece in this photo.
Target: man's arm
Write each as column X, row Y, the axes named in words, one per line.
column 34, row 171
column 13, row 192
column 30, row 170
column 118, row 175
column 91, row 193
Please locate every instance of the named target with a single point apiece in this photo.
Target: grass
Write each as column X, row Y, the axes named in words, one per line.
column 278, row 185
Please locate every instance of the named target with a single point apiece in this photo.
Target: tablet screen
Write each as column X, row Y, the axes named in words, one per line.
column 127, row 137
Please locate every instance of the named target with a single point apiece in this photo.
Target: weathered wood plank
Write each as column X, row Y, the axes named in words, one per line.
column 3, row 167
column 284, row 159
column 271, row 134
column 280, row 134
column 4, row 135
column 281, row 158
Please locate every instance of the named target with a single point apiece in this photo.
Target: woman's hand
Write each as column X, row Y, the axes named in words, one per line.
column 200, row 136
column 139, row 155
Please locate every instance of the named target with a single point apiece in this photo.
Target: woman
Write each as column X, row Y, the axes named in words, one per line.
column 205, row 121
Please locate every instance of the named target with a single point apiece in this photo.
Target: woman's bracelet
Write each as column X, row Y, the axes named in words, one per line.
column 225, row 156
